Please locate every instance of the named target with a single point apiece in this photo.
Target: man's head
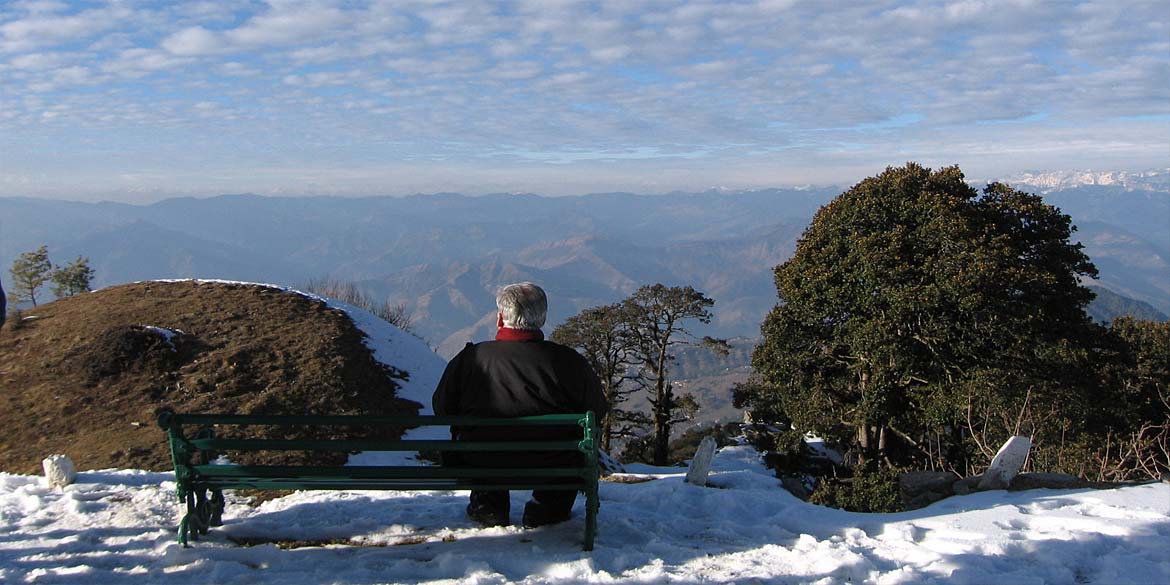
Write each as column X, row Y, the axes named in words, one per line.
column 522, row 306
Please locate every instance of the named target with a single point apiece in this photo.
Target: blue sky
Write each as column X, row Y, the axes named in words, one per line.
column 137, row 100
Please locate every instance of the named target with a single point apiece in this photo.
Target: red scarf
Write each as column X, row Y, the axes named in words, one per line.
column 509, row 334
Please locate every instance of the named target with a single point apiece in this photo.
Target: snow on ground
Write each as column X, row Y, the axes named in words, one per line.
column 118, row 526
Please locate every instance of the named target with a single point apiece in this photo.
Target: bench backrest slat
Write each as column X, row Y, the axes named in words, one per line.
column 367, row 420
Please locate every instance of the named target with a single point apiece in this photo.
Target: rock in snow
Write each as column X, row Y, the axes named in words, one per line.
column 701, row 463
column 1006, row 463
column 920, row 488
column 59, row 470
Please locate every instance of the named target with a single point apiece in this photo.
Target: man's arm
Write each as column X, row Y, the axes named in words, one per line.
column 445, row 400
column 594, row 398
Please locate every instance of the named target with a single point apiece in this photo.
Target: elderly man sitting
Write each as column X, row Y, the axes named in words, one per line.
column 518, row 374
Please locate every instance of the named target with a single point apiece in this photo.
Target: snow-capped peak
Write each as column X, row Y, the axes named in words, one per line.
column 1045, row 182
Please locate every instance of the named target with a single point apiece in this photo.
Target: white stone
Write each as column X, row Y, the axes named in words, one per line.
column 1006, row 463
column 59, row 470
column 701, row 464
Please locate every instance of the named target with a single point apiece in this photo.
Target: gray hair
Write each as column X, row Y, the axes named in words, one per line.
column 523, row 305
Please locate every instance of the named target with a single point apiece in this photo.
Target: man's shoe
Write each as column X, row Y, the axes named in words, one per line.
column 487, row 517
column 537, row 515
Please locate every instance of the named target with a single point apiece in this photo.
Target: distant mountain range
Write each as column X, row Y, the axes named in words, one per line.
column 443, row 255
column 1047, row 182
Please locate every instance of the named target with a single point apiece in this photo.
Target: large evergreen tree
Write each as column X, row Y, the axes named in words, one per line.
column 919, row 317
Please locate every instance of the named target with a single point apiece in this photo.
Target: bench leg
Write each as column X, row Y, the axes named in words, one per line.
column 592, row 505
column 202, row 512
column 185, row 528
column 216, row 508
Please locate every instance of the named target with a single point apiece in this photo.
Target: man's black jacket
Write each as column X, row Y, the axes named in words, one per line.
column 517, row 378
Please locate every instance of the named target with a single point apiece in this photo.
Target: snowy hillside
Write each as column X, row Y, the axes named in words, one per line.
column 118, row 526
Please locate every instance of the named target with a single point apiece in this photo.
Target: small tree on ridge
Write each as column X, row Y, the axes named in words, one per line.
column 72, row 279
column 29, row 273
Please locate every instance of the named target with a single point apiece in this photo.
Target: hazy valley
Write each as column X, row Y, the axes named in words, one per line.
column 444, row 255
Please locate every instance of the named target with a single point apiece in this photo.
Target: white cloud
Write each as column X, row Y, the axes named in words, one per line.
column 610, row 54
column 323, row 54
column 237, row 69
column 194, row 40
column 207, row 10
column 42, row 29
column 39, row 61
column 72, row 75
column 139, row 62
column 325, row 78
column 516, row 71
column 39, row 7
column 288, row 22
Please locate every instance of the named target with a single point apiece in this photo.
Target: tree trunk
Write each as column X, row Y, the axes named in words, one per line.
column 663, row 408
column 864, row 443
column 662, row 424
column 606, row 432
column 865, row 439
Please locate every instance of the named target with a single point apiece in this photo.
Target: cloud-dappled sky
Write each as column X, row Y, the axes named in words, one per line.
column 135, row 100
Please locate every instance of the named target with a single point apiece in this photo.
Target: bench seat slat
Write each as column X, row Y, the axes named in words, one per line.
column 311, row 483
column 391, row 472
column 379, row 445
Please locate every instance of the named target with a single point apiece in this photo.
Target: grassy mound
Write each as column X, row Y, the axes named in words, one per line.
column 85, row 376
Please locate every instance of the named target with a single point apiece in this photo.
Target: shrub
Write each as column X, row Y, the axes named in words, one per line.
column 347, row 292
column 866, row 491
column 682, row 449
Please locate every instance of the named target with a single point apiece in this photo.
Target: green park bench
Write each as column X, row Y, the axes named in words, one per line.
column 196, row 440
